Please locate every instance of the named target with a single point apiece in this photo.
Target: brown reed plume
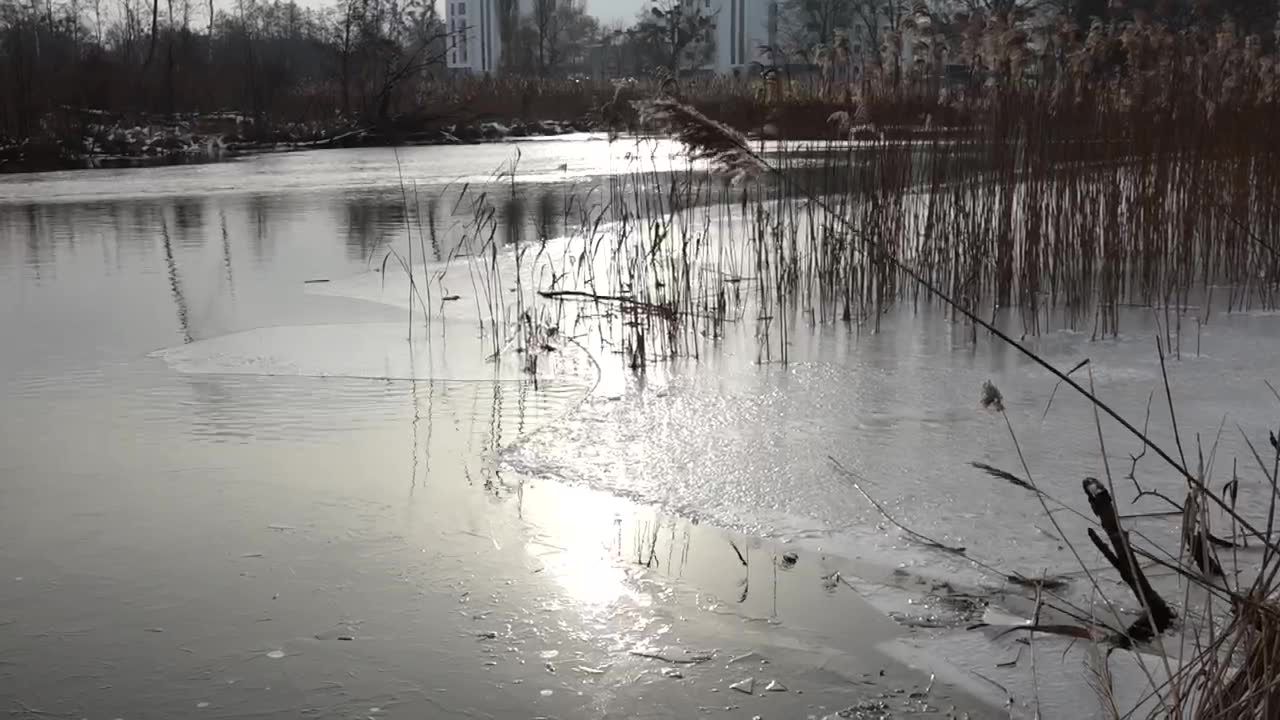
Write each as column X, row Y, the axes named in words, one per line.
column 707, row 139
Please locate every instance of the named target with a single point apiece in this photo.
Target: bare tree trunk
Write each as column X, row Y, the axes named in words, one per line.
column 155, row 27
column 74, row 7
column 23, row 71
column 126, row 49
column 250, row 74
column 543, row 10
column 168, row 71
column 346, row 61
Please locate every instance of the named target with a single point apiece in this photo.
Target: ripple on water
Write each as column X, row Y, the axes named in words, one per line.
column 375, row 351
column 305, row 381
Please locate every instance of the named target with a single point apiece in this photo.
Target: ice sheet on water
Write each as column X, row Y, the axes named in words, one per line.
column 1058, row 684
column 454, row 352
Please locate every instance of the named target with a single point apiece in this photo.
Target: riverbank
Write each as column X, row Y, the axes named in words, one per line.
column 203, row 139
column 79, row 138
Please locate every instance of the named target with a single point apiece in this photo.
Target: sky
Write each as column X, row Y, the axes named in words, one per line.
column 612, row 10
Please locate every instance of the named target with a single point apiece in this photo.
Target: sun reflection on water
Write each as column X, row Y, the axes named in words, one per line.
column 582, row 546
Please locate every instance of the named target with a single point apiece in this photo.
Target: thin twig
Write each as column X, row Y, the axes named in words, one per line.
column 696, row 660
column 1058, row 384
column 925, row 539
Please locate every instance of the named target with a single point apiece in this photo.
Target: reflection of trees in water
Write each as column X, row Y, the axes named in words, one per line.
column 259, row 212
column 369, row 223
column 34, row 259
column 512, row 219
column 64, row 224
column 129, row 225
column 143, row 219
column 548, row 215
column 43, row 228
column 131, row 236
column 216, row 408
column 454, row 221
column 433, row 224
column 188, row 221
column 8, row 228
column 175, row 284
column 545, row 222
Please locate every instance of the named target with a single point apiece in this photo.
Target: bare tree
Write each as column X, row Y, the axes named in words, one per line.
column 807, row 24
column 399, row 41
column 155, row 30
column 675, row 35
column 544, row 26
column 345, row 46
column 877, row 31
column 556, row 32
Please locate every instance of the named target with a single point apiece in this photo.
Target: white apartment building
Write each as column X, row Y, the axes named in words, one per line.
column 475, row 42
column 742, row 28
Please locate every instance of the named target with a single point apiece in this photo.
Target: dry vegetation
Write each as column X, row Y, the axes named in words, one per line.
column 1097, row 185
column 1044, row 200
column 1128, row 166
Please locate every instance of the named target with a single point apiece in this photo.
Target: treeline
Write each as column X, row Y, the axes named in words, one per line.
column 869, row 28
column 362, row 63
column 269, row 60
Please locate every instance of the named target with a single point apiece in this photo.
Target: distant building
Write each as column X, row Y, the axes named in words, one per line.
column 614, row 58
column 475, row 42
column 743, row 29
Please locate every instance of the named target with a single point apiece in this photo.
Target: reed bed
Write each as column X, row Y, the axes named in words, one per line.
column 1058, row 206
column 1153, row 182
column 1033, row 232
column 1056, row 203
